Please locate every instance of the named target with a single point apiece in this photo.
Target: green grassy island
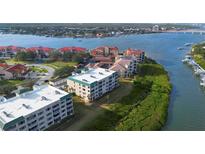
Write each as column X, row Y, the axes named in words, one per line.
column 145, row 107
column 198, row 53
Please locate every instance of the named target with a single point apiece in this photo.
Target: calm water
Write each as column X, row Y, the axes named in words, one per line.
column 187, row 105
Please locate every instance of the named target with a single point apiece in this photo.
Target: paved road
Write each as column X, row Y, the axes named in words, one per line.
column 48, row 75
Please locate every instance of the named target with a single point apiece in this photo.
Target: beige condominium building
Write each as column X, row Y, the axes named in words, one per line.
column 125, row 66
column 93, row 83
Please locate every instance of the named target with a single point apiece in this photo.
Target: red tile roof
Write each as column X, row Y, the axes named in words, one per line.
column 102, row 59
column 101, row 50
column 18, row 68
column 72, row 49
column 133, row 52
column 3, row 48
column 4, row 65
column 10, row 48
column 44, row 49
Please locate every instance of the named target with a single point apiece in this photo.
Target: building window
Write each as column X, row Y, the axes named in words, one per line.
column 48, row 109
column 62, row 106
column 56, row 110
column 48, row 119
column 49, row 114
column 57, row 114
column 22, row 128
column 40, row 113
column 34, row 128
column 21, row 122
column 68, row 103
column 11, row 127
column 63, row 115
column 50, row 123
column 70, row 107
column 31, row 117
column 30, row 124
column 41, row 123
column 41, row 118
column 55, row 106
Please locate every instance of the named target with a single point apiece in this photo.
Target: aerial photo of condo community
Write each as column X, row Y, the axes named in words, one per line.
column 51, row 101
column 101, row 77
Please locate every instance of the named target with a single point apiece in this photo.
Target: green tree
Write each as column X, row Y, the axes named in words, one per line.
column 7, row 89
column 55, row 55
column 63, row 72
column 21, row 56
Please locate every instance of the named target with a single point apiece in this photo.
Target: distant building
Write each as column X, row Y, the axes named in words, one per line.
column 105, row 65
column 105, row 51
column 59, row 83
column 35, row 110
column 125, row 66
column 13, row 71
column 93, row 83
column 139, row 54
column 104, row 54
column 9, row 51
column 72, row 49
column 155, row 28
column 41, row 52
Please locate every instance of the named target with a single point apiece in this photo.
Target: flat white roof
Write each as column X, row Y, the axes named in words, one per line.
column 92, row 75
column 29, row 102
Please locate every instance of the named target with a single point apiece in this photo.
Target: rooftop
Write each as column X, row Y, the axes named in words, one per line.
column 92, row 75
column 133, row 52
column 29, row 102
column 73, row 49
column 18, row 68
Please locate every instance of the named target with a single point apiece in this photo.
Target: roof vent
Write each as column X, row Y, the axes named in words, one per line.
column 57, row 92
column 43, row 98
column 26, row 106
column 101, row 73
column 93, row 76
column 85, row 80
column 2, row 99
column 7, row 114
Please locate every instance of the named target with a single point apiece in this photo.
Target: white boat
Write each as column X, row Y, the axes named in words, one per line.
column 202, row 83
column 185, row 60
column 180, row 48
column 190, row 62
column 188, row 57
column 199, row 71
column 188, row 44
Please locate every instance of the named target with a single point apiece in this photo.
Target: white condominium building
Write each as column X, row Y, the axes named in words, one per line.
column 93, row 83
column 35, row 110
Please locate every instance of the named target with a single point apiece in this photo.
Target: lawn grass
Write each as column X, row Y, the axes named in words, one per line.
column 199, row 60
column 59, row 64
column 13, row 61
column 10, row 82
column 38, row 69
column 198, row 53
